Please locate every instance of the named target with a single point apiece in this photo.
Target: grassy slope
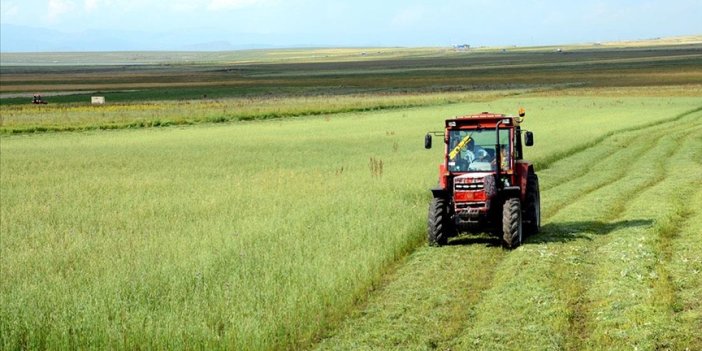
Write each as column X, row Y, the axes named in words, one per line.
column 258, row 235
column 609, row 271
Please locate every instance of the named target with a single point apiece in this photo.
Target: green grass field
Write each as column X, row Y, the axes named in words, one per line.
column 309, row 232
column 614, row 268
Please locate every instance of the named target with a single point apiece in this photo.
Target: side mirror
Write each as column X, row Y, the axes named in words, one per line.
column 529, row 139
column 427, row 141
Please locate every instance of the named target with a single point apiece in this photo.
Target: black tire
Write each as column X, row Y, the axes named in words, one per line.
column 439, row 225
column 532, row 206
column 512, row 223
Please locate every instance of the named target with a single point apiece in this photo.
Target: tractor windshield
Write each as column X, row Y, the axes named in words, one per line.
column 473, row 150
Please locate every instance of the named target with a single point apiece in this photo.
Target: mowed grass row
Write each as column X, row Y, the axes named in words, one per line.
column 253, row 235
column 614, row 266
column 587, row 282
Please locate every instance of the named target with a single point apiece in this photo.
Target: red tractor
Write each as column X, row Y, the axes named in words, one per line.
column 38, row 100
column 484, row 184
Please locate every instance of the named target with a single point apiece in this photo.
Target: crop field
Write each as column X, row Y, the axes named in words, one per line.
column 298, row 221
column 203, row 76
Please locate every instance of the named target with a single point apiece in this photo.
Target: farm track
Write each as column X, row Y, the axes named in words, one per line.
column 556, row 275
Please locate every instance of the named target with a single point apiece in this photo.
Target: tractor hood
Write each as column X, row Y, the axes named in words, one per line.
column 475, row 175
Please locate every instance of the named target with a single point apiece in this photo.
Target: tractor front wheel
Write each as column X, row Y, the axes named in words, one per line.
column 512, row 223
column 439, row 227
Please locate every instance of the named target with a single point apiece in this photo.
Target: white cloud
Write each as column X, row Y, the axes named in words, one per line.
column 235, row 4
column 9, row 10
column 58, row 8
column 185, row 5
column 408, row 17
column 90, row 5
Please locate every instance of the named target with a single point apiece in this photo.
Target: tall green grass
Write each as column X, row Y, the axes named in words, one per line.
column 245, row 237
column 255, row 235
column 18, row 119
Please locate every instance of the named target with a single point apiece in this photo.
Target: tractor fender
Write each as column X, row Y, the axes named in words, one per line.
column 523, row 168
column 439, row 192
column 512, row 191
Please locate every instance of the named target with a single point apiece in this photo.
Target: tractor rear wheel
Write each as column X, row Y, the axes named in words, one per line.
column 512, row 223
column 532, row 206
column 439, row 227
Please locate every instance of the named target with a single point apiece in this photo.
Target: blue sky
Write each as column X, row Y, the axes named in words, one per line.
column 159, row 25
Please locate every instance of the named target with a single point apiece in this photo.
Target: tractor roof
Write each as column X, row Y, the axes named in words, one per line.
column 484, row 118
column 484, row 115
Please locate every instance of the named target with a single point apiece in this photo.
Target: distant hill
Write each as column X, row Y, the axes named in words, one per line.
column 677, row 40
column 21, row 39
column 31, row 39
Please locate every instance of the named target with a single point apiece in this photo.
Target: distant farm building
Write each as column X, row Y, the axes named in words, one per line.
column 97, row 100
column 461, row 47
